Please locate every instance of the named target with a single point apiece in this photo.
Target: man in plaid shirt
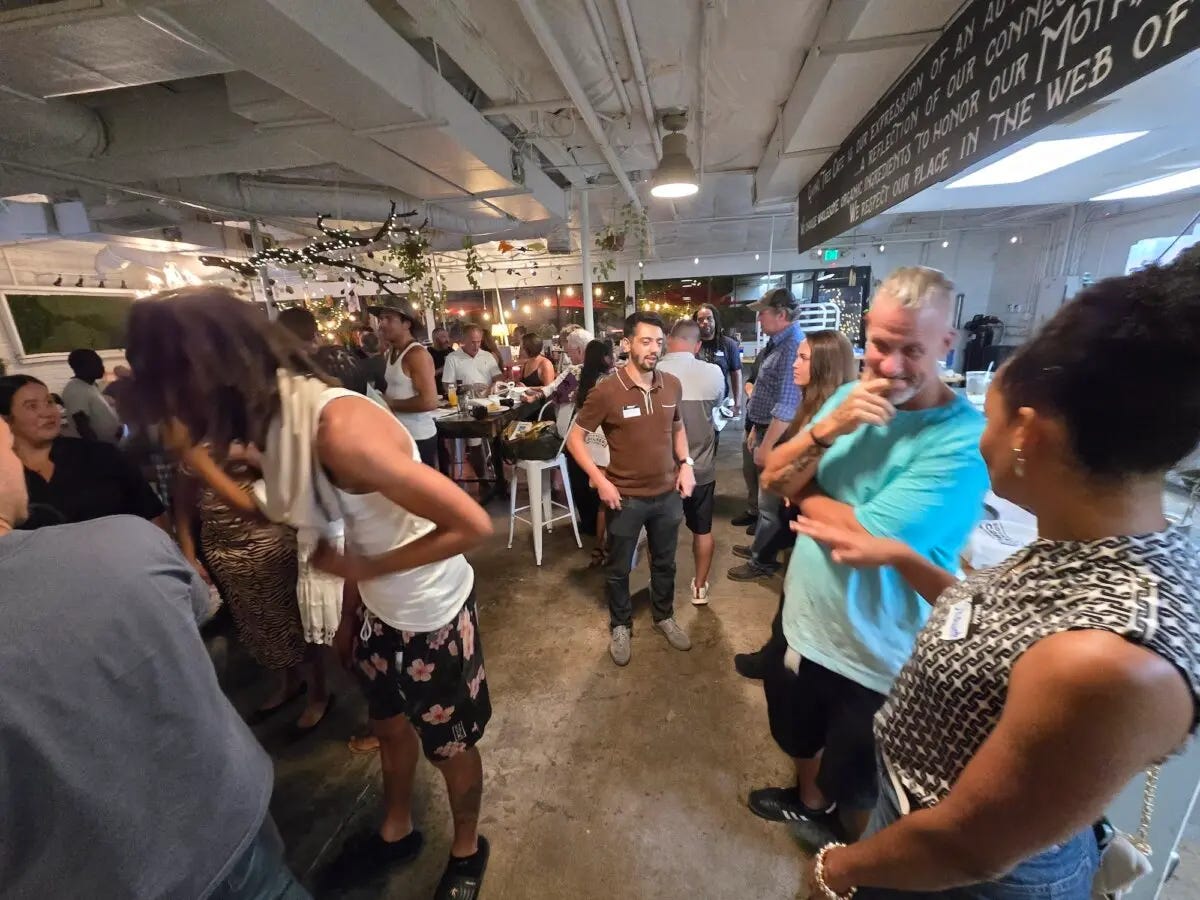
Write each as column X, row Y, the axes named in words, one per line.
column 771, row 408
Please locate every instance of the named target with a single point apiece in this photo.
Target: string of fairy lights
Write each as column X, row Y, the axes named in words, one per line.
column 320, row 253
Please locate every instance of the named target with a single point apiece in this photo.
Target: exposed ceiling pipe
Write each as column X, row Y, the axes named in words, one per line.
column 241, row 198
column 511, row 109
column 706, row 14
column 29, row 125
column 558, row 60
column 639, row 73
column 230, row 211
column 310, row 201
column 593, row 14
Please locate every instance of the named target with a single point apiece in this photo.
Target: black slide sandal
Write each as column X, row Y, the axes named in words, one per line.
column 463, row 878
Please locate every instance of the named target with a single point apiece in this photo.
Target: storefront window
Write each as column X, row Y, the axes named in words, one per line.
column 545, row 309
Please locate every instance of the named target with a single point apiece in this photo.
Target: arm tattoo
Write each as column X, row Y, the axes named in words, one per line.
column 806, row 459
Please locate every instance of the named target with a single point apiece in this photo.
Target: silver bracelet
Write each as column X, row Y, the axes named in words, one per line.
column 819, row 876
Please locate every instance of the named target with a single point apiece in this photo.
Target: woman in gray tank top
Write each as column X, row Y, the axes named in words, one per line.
column 1038, row 688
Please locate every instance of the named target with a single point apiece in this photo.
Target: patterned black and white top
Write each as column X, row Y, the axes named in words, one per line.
column 949, row 695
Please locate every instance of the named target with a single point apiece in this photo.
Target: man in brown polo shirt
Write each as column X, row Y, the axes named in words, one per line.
column 649, row 471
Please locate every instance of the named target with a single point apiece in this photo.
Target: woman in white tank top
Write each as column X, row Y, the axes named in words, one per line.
column 414, row 639
column 411, row 387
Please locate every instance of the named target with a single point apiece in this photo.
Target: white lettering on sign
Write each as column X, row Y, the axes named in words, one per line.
column 1001, row 70
column 1157, row 31
column 1010, row 77
column 1082, row 77
column 1012, row 119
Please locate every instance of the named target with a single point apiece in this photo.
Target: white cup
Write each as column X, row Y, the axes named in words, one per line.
column 977, row 385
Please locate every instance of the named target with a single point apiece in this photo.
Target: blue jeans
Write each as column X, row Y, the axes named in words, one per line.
column 1064, row 872
column 661, row 517
column 772, row 533
column 260, row 873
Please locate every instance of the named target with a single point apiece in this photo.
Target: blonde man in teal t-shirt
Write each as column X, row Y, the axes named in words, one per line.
column 894, row 455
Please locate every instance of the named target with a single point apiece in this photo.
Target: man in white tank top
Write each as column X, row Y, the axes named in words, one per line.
column 411, row 387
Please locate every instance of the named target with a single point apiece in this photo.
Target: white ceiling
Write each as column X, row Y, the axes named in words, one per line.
column 350, row 105
column 1151, row 104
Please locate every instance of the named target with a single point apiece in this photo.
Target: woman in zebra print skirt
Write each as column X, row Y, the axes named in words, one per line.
column 254, row 563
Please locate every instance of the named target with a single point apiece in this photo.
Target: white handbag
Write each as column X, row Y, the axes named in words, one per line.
column 1126, row 859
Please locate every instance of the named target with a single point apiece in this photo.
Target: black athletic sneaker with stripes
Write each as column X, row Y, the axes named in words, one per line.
column 784, row 805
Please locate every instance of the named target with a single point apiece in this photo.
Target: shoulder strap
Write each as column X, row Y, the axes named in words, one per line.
column 404, row 352
column 1141, row 840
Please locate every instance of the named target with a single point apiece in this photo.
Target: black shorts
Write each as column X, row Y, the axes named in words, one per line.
column 816, row 710
column 434, row 679
column 428, row 448
column 698, row 508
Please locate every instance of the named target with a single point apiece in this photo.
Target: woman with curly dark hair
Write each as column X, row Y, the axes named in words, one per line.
column 214, row 364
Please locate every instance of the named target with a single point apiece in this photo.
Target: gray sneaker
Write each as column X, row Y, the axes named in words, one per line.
column 674, row 634
column 618, row 646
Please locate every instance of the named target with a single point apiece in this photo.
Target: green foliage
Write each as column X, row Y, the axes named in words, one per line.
column 603, row 269
column 628, row 230
column 474, row 266
column 412, row 256
column 433, row 296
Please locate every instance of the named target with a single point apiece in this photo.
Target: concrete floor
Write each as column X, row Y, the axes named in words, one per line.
column 600, row 781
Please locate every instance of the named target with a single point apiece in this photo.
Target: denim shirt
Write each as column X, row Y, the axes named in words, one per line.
column 775, row 395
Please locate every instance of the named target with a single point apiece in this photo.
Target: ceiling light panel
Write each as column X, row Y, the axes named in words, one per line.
column 1168, row 184
column 1043, row 157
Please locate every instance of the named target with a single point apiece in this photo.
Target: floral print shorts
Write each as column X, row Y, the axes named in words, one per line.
column 434, row 679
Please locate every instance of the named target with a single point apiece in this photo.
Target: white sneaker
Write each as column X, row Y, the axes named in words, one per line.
column 699, row 594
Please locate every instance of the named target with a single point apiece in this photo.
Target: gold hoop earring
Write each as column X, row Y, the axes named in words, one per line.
column 1019, row 463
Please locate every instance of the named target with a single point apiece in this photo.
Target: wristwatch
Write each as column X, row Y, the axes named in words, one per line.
column 688, row 461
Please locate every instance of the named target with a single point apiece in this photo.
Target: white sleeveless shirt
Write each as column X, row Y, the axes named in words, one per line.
column 421, row 599
column 420, row 425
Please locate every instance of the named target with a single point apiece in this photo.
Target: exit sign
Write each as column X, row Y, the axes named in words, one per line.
column 830, row 254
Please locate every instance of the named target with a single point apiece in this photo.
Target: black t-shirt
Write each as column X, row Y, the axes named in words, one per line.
column 343, row 365
column 439, row 363
column 721, row 351
column 91, row 480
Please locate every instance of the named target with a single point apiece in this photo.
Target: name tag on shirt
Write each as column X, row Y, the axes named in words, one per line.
column 719, row 353
column 958, row 621
column 631, row 412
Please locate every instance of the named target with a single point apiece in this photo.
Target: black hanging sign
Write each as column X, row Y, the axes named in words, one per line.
column 1001, row 70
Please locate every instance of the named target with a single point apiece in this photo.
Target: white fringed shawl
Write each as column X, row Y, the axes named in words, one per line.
column 296, row 492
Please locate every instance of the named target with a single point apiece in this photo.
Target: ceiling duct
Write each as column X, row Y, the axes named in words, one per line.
column 29, row 125
column 24, row 11
column 309, row 201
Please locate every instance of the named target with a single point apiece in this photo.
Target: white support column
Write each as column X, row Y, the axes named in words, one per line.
column 585, row 252
column 264, row 278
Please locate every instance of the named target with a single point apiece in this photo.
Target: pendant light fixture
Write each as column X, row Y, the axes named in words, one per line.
column 675, row 176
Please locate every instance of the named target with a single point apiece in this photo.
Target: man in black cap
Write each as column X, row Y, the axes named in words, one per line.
column 769, row 411
column 411, row 384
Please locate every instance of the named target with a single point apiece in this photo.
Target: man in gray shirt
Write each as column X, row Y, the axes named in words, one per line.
column 124, row 771
column 703, row 391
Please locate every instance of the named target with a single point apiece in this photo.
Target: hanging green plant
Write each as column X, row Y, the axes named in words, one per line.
column 433, row 296
column 412, row 255
column 628, row 229
column 604, row 268
column 474, row 266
